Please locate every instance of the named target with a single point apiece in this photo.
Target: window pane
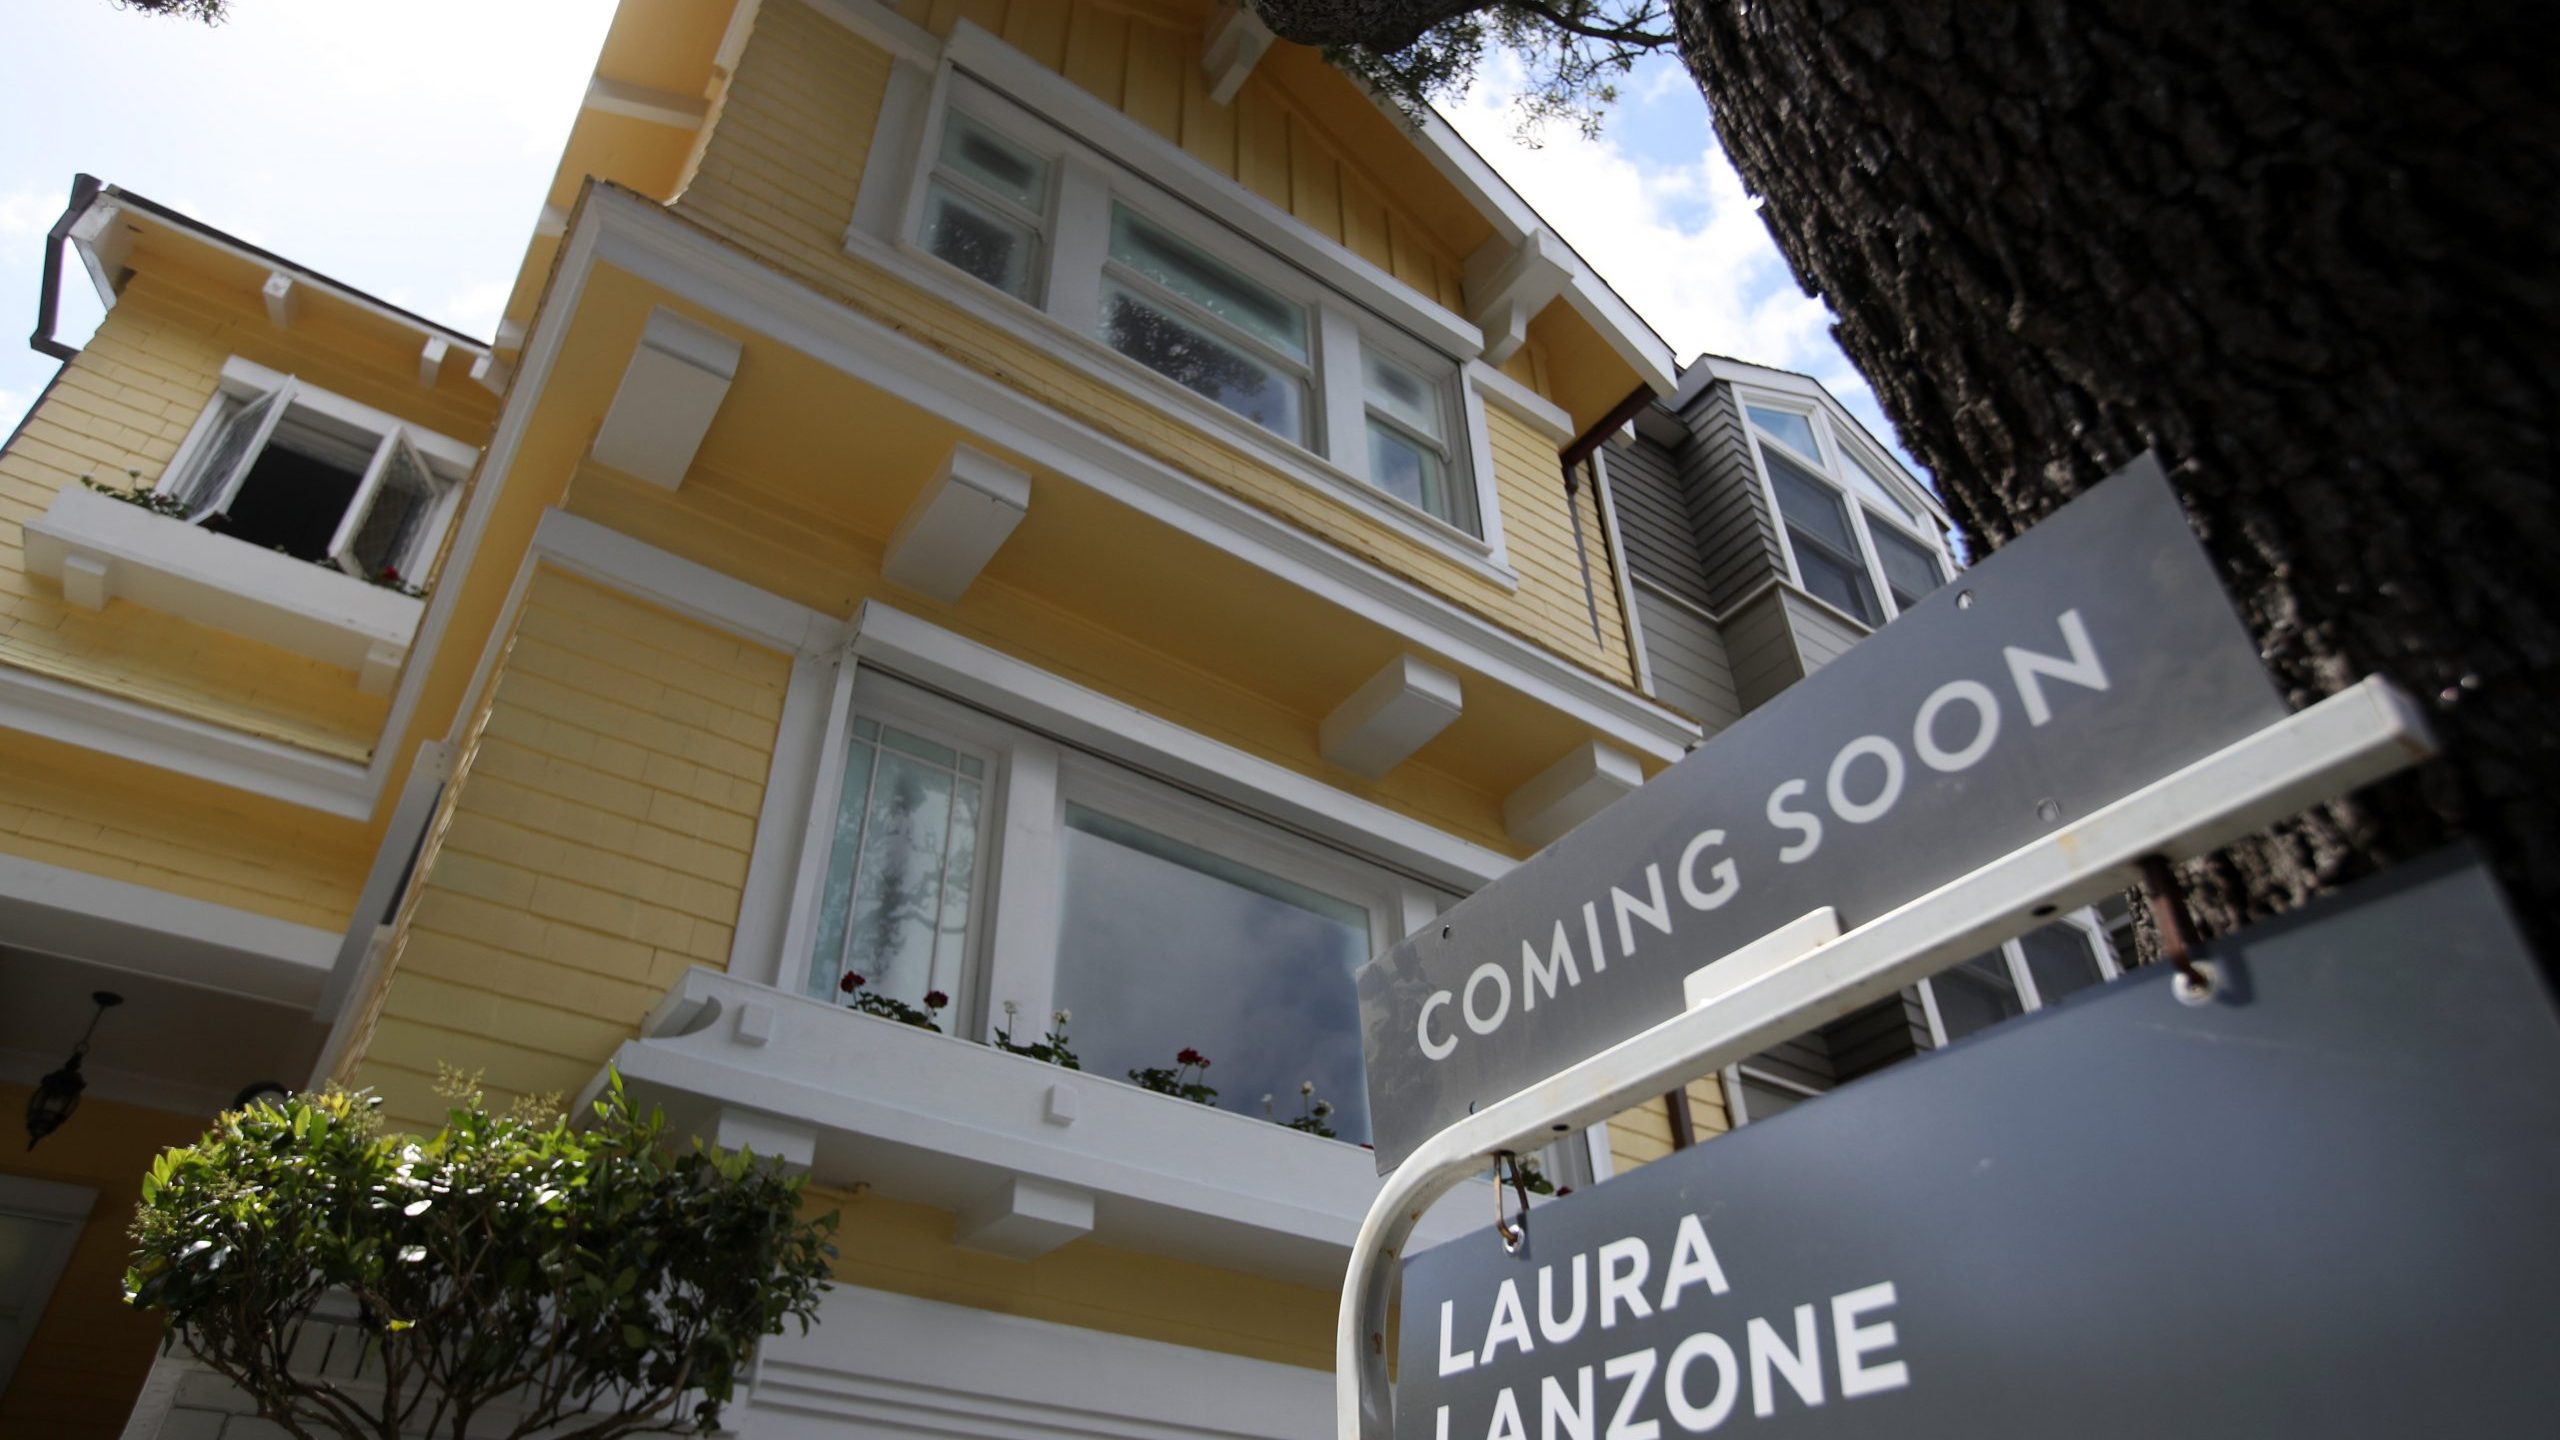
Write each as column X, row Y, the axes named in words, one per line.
column 1763, row 1101
column 1872, row 485
column 1795, row 430
column 1405, row 395
column 1416, row 476
column 1976, row 995
column 1003, row 167
column 2059, row 957
column 400, row 505
column 1179, row 266
column 1843, row 585
column 1162, row 945
column 985, row 244
column 1809, row 504
column 1910, row 570
column 895, row 909
column 1183, row 353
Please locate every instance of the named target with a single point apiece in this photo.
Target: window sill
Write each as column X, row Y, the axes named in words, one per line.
column 948, row 1122
column 1109, row 367
column 100, row 548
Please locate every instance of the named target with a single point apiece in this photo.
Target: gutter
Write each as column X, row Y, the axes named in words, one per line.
column 84, row 189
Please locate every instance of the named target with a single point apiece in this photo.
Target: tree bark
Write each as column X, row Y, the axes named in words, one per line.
column 2310, row 257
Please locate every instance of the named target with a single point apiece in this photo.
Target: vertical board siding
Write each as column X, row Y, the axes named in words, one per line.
column 1737, row 537
column 1686, row 653
column 1763, row 648
column 594, row 844
column 1821, row 634
column 118, row 412
column 1650, row 488
column 779, row 179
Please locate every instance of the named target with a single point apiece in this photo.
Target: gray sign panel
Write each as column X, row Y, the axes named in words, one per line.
column 2091, row 657
column 2321, row 1205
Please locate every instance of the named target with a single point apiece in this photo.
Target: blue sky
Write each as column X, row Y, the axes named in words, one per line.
column 398, row 146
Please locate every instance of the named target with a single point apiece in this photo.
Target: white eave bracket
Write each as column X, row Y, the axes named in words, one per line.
column 1508, row 283
column 1236, row 44
column 679, row 374
column 1570, row 791
column 640, row 102
column 1025, row 1218
column 1393, row 714
column 284, row 299
column 965, row 514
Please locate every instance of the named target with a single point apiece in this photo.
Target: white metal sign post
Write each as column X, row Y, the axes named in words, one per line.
column 1766, row 993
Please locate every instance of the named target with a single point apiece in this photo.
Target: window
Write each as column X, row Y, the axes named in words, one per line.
column 1165, row 922
column 2039, row 968
column 902, row 868
column 1856, row 542
column 286, row 466
column 1166, row 295
column 1196, row 322
column 986, row 205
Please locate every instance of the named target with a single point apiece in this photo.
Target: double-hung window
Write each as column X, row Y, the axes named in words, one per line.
column 1162, row 922
column 1171, row 307
column 286, row 466
column 1165, row 297
column 1856, row 541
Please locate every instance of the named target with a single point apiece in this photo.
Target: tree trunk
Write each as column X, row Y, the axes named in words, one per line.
column 2311, row 258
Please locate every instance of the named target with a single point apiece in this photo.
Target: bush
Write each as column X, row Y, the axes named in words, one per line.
column 595, row 1280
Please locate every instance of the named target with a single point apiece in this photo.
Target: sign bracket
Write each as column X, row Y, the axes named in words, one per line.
column 2353, row 738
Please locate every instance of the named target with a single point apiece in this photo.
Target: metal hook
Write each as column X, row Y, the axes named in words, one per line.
column 2178, row 940
column 1513, row 1235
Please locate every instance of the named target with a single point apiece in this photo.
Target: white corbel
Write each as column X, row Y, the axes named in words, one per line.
column 1570, row 791
column 1507, row 283
column 1237, row 43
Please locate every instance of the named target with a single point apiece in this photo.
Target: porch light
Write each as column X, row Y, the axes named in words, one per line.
column 58, row 1094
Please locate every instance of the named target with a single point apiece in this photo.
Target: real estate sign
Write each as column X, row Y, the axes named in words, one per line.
column 2319, row 1205
column 2086, row 660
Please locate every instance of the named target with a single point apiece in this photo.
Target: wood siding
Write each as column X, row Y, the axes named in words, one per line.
column 1691, row 672
column 1737, row 538
column 1651, row 490
column 594, row 843
column 118, row 412
column 778, row 179
column 1762, row 647
column 1822, row 634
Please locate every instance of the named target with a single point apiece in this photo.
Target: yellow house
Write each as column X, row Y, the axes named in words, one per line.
column 1066, row 516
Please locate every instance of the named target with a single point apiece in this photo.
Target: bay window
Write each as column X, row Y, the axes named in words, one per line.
column 1158, row 294
column 1156, row 921
column 1854, row 538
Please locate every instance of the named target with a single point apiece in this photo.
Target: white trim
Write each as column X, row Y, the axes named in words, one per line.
column 878, row 1363
column 64, row 1209
column 1628, row 616
column 760, row 946
column 94, row 720
column 638, row 237
column 640, row 102
column 247, row 379
column 1084, row 116
column 595, row 552
column 924, row 652
column 54, row 910
column 1800, row 390
column 1658, row 591
column 1543, row 415
column 1331, row 456
column 404, row 837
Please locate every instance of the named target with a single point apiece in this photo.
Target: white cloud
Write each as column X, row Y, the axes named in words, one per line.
column 1679, row 238
column 26, row 214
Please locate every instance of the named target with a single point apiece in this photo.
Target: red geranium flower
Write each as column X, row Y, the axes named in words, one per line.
column 850, row 983
column 1190, row 1056
column 935, row 999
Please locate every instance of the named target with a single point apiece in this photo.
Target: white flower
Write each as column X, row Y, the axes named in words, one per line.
column 1306, row 1087
column 1009, row 1009
column 1323, row 1108
column 1063, row 1016
column 1266, row 1104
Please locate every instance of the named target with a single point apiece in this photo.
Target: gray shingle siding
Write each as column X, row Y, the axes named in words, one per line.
column 1820, row 634
column 1686, row 653
column 1653, row 519
column 1737, row 540
column 1762, row 649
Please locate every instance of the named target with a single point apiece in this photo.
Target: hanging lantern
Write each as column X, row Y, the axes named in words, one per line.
column 58, row 1094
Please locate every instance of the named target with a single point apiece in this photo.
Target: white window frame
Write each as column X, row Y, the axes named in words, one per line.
column 1011, row 953
column 447, row 460
column 1097, row 156
column 1836, row 444
column 2013, row 953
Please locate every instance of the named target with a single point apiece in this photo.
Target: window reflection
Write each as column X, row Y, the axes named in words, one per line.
column 1163, row 945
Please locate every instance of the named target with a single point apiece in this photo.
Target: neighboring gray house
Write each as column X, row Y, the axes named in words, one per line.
column 1765, row 532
